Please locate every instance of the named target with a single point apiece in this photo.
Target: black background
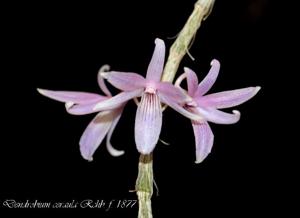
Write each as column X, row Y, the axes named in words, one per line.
column 61, row 46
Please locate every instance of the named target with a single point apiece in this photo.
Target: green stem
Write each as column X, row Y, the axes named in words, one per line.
column 181, row 45
column 144, row 186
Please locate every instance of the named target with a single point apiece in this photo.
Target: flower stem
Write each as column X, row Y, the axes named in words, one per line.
column 144, row 182
column 181, row 45
column 144, row 185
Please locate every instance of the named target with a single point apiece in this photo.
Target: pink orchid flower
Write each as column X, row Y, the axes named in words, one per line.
column 153, row 92
column 207, row 106
column 80, row 103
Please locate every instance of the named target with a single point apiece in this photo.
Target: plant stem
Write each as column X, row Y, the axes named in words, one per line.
column 181, row 45
column 144, row 185
column 144, row 182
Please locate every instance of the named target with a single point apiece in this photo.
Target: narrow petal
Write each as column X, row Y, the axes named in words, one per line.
column 228, row 98
column 80, row 109
column 192, row 81
column 95, row 133
column 148, row 123
column 172, row 92
column 180, row 79
column 114, row 152
column 177, row 107
column 156, row 65
column 209, row 80
column 101, row 82
column 117, row 100
column 125, row 81
column 220, row 117
column 70, row 96
column 204, row 139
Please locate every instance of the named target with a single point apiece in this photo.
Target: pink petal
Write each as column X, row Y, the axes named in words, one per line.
column 114, row 152
column 217, row 116
column 180, row 79
column 80, row 109
column 179, row 108
column 172, row 92
column 148, row 123
column 204, row 139
column 209, row 80
column 117, row 100
column 101, row 82
column 228, row 98
column 192, row 81
column 125, row 81
column 70, row 96
column 95, row 133
column 156, row 65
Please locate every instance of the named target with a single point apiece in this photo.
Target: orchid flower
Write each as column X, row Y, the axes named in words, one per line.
column 80, row 103
column 153, row 92
column 207, row 106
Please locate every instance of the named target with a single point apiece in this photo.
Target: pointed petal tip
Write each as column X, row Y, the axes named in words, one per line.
column 186, row 69
column 257, row 88
column 100, row 78
column 86, row 154
column 215, row 62
column 41, row 91
column 236, row 112
column 46, row 92
column 104, row 68
column 198, row 161
column 158, row 40
column 201, row 158
column 86, row 157
column 111, row 150
column 117, row 153
column 238, row 115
